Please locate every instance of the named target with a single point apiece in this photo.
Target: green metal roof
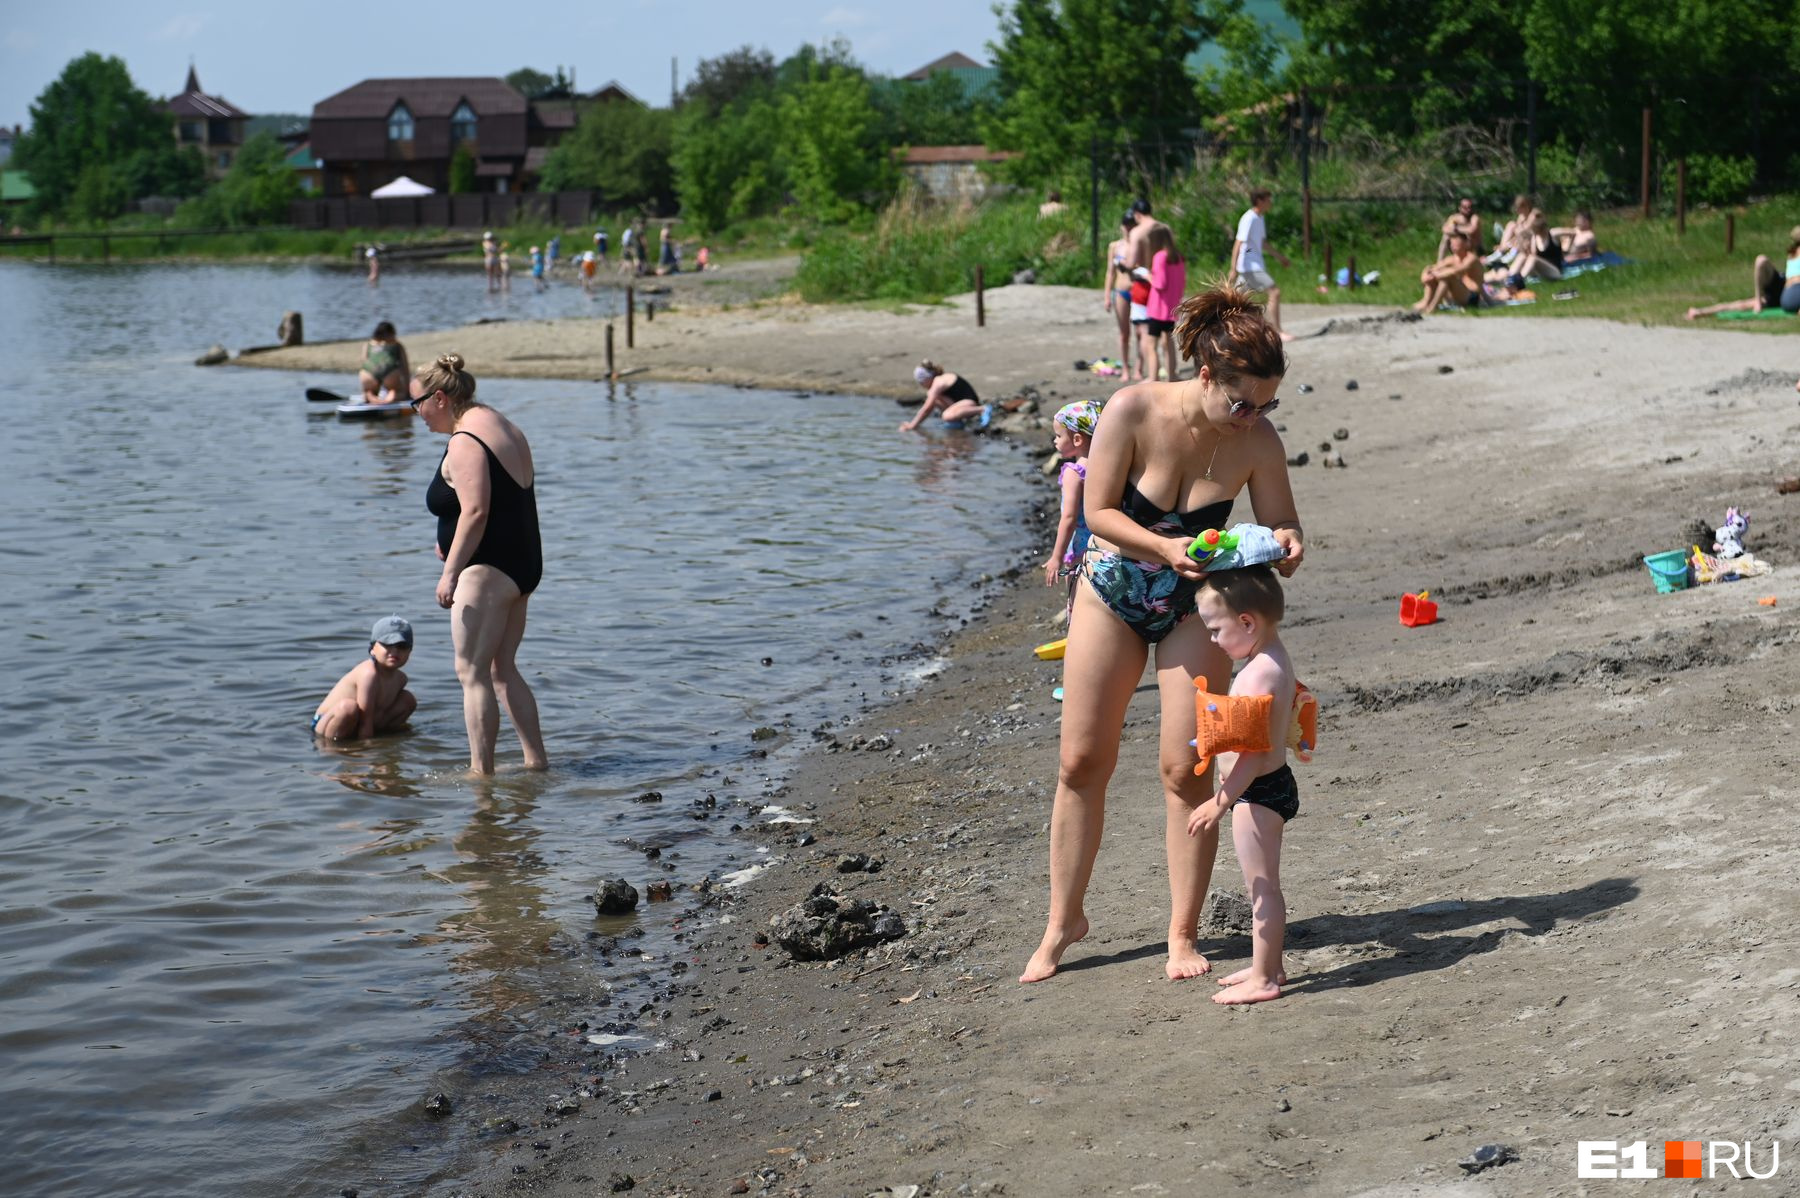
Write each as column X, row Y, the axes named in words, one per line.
column 15, row 185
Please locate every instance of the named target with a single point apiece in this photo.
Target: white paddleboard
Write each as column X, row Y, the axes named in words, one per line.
column 372, row 410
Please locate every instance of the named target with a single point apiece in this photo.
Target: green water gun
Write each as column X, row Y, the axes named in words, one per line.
column 1210, row 542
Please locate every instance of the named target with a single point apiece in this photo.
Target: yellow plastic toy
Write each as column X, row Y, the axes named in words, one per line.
column 1240, row 723
column 1052, row 650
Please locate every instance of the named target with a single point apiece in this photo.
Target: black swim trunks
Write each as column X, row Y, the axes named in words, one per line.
column 1277, row 791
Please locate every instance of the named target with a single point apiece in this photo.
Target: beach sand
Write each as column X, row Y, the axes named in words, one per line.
column 1539, row 891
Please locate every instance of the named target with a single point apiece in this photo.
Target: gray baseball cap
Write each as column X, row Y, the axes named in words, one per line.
column 391, row 630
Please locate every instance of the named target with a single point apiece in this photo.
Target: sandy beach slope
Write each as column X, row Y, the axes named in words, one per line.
column 1541, row 888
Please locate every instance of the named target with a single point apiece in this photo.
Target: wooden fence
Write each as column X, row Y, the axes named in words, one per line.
column 481, row 211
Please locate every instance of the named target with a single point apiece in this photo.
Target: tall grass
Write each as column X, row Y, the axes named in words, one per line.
column 920, row 252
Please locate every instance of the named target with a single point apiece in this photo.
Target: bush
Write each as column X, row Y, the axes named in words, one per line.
column 920, row 252
column 1713, row 179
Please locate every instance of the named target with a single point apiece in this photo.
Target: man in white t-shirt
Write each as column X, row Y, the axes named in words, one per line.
column 1247, row 251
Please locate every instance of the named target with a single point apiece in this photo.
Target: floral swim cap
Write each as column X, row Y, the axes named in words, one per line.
column 1080, row 417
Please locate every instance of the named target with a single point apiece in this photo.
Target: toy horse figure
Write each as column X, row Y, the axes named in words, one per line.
column 1730, row 542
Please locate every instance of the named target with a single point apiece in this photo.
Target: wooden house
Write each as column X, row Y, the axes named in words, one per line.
column 372, row 133
column 210, row 124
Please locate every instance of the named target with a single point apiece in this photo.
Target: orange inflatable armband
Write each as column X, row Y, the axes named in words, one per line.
column 1240, row 724
column 1303, row 729
column 1229, row 724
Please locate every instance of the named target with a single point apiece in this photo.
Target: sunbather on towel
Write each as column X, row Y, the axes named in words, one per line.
column 1770, row 287
column 1578, row 243
column 1456, row 277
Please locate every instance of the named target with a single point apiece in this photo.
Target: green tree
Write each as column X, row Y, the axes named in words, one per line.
column 255, row 191
column 1071, row 70
column 834, row 159
column 1714, row 75
column 462, row 171
column 738, row 75
column 727, row 164
column 935, row 111
column 620, row 149
column 97, row 142
column 533, row 84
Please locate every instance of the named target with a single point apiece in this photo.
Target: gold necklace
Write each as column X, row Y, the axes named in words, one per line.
column 1196, row 436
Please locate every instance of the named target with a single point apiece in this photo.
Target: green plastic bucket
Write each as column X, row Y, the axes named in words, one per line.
column 1668, row 570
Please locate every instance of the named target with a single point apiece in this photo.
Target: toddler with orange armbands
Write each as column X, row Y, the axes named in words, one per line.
column 1255, row 723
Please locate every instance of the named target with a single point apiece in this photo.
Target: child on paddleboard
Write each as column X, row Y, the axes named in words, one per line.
column 372, row 697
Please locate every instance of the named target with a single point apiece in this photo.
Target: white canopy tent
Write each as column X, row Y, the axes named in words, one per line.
column 401, row 188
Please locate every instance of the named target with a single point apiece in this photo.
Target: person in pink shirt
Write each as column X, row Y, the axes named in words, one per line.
column 1167, row 277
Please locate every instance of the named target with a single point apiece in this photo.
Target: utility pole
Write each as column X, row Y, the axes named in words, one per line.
column 674, row 80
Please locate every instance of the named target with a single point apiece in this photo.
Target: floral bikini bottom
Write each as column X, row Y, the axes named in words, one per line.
column 1152, row 599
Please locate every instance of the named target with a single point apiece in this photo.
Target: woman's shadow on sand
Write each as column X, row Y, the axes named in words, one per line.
column 1419, row 939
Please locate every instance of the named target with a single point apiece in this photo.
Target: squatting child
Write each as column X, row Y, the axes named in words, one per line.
column 372, row 697
column 1242, row 609
column 1074, row 433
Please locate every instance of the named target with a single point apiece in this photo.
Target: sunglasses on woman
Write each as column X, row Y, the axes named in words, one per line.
column 1240, row 407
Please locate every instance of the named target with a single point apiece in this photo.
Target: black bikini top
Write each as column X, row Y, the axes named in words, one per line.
column 1192, row 524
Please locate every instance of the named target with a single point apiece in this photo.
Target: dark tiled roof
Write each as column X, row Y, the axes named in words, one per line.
column 956, row 60
column 614, row 90
column 428, row 97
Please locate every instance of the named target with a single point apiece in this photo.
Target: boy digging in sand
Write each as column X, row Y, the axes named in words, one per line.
column 1242, row 610
column 372, row 697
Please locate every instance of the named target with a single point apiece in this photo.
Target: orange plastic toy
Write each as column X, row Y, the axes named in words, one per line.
column 1417, row 609
column 1240, row 723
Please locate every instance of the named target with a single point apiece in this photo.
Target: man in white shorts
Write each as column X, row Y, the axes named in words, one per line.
column 1247, row 267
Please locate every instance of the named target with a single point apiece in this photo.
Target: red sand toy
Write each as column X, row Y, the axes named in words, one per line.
column 1417, row 609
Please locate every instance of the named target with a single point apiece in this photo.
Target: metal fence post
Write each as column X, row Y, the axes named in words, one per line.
column 1094, row 200
column 1730, row 232
column 1644, row 179
column 1306, row 221
column 1531, row 140
column 1681, row 195
column 980, row 297
column 630, row 317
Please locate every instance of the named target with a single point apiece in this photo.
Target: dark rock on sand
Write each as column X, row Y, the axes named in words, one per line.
column 1350, row 386
column 764, row 733
column 1343, row 434
column 1300, row 459
column 858, row 863
column 823, row 928
column 659, row 892
column 615, row 897
column 1227, row 914
column 438, row 1106
column 1488, row 1156
column 620, row 1182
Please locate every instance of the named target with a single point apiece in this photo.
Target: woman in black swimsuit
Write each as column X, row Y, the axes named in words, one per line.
column 484, row 496
column 948, row 394
column 1167, row 462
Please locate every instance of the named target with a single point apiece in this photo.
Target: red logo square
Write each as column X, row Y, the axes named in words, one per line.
column 1681, row 1158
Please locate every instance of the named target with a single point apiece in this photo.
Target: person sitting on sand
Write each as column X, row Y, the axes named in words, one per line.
column 1578, row 242
column 951, row 396
column 1242, row 612
column 1454, row 278
column 1770, row 288
column 372, row 697
column 1464, row 220
column 1167, row 463
column 384, row 366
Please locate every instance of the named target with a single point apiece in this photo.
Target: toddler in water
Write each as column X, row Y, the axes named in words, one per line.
column 1074, row 424
column 372, row 697
column 1242, row 609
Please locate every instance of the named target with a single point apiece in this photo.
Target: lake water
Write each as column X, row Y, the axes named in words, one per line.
column 226, row 951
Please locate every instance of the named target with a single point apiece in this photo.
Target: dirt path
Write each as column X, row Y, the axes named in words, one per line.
column 1540, row 888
